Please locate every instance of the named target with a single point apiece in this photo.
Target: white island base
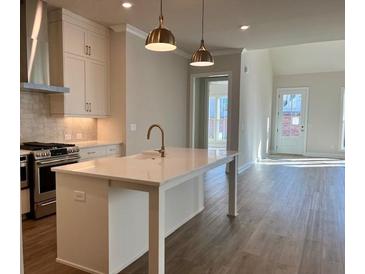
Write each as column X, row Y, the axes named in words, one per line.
column 111, row 211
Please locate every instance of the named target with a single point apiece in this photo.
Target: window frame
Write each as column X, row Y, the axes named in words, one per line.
column 342, row 144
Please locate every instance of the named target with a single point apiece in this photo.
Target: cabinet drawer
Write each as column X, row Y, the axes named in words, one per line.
column 114, row 150
column 91, row 153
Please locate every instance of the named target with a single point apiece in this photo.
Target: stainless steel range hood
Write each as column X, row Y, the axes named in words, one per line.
column 34, row 53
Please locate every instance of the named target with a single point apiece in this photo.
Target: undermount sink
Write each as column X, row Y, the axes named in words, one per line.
column 147, row 155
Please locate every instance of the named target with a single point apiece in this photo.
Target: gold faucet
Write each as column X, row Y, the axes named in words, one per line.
column 162, row 150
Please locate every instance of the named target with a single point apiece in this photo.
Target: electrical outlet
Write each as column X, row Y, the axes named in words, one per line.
column 79, row 136
column 79, row 196
column 133, row 127
column 68, row 137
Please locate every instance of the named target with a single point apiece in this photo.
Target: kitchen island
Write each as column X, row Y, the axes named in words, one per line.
column 98, row 221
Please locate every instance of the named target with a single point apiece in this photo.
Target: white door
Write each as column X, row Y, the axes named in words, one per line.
column 96, row 92
column 74, row 39
column 291, row 120
column 97, row 44
column 74, row 78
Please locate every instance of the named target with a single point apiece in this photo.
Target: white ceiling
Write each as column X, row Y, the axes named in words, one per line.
column 273, row 22
column 309, row 58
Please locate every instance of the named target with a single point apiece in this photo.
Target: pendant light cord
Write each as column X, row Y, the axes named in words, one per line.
column 161, row 9
column 161, row 16
column 202, row 21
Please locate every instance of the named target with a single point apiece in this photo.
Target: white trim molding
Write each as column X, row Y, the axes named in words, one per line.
column 226, row 51
column 143, row 35
column 325, row 155
column 245, row 167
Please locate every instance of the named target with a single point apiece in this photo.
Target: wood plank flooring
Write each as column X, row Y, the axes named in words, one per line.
column 291, row 221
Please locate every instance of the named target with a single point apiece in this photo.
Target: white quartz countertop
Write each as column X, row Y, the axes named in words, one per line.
column 24, row 152
column 148, row 167
column 96, row 143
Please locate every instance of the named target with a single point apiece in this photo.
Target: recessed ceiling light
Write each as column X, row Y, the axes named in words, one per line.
column 245, row 27
column 127, row 5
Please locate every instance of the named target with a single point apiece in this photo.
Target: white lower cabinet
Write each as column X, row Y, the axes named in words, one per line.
column 25, row 200
column 89, row 153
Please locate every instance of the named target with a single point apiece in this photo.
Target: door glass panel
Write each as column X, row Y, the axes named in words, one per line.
column 23, row 173
column 47, row 178
column 291, row 111
column 212, row 117
column 218, row 113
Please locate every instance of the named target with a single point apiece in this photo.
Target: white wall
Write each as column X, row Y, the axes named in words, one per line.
column 309, row 58
column 157, row 88
column 255, row 106
column 324, row 111
column 113, row 128
column 146, row 88
column 251, row 101
column 231, row 64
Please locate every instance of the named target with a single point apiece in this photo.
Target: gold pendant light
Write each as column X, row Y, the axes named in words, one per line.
column 202, row 57
column 160, row 39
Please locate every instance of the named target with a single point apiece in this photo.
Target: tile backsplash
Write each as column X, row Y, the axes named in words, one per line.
column 37, row 124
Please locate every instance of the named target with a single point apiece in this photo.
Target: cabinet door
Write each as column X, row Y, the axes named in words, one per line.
column 96, row 91
column 97, row 44
column 74, row 78
column 25, row 201
column 74, row 39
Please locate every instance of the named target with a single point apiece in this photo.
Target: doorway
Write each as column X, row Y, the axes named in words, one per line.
column 209, row 111
column 291, row 120
column 217, row 112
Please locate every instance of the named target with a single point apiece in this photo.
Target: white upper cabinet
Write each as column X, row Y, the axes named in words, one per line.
column 79, row 59
column 74, row 39
column 96, row 46
column 75, row 77
column 96, row 86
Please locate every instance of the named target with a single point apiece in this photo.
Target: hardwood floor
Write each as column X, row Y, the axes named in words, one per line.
column 291, row 222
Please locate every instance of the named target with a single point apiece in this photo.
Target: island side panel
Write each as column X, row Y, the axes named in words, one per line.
column 128, row 218
column 128, row 226
column 82, row 223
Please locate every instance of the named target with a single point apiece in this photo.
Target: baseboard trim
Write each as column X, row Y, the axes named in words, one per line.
column 327, row 155
column 246, row 166
column 83, row 268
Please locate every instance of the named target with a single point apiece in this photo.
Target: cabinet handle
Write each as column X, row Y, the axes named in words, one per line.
column 86, row 50
column 90, row 106
column 89, row 50
column 86, row 109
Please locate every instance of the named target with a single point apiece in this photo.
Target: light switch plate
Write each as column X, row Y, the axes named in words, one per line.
column 79, row 136
column 68, row 137
column 79, row 196
column 133, row 127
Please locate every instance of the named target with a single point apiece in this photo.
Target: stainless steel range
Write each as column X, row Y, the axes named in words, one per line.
column 43, row 157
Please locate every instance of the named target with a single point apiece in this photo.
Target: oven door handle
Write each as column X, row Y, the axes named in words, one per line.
column 48, row 203
column 40, row 163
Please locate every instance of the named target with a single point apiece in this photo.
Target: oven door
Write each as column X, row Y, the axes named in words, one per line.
column 23, row 174
column 45, row 179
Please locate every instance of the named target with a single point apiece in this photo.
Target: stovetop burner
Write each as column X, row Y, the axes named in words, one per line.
column 40, row 146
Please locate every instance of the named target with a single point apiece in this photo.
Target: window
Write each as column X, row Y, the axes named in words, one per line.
column 342, row 145
column 218, row 113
